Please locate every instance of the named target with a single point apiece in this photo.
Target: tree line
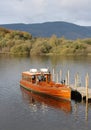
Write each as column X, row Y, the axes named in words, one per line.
column 23, row 43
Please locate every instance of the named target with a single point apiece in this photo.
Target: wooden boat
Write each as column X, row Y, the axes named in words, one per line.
column 35, row 99
column 41, row 82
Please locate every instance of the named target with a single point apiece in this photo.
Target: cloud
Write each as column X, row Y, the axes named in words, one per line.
column 71, row 10
column 20, row 10
column 29, row 11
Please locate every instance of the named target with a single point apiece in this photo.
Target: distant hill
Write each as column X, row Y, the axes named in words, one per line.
column 68, row 30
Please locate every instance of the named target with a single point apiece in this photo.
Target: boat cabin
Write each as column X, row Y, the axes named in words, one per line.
column 35, row 76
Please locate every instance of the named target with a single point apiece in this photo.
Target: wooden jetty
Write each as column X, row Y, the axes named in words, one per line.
column 78, row 92
column 85, row 92
column 82, row 91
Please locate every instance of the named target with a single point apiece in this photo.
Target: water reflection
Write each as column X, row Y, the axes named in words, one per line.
column 36, row 101
column 81, row 110
column 57, row 59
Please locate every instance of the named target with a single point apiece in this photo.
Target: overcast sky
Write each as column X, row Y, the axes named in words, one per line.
column 39, row 11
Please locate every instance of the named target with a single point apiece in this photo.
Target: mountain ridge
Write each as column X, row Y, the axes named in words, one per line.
column 58, row 28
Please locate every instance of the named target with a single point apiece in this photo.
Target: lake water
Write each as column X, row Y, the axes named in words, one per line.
column 21, row 110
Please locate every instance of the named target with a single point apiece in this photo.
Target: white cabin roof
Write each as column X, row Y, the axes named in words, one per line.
column 45, row 70
column 33, row 70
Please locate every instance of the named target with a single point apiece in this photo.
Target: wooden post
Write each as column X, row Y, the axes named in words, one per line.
column 60, row 75
column 76, row 81
column 68, row 78
column 87, row 85
column 53, row 75
column 57, row 77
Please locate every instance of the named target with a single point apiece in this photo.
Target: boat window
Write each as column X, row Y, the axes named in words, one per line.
column 26, row 77
column 33, row 77
column 41, row 78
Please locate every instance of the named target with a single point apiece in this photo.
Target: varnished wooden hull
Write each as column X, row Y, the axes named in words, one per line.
column 64, row 105
column 62, row 92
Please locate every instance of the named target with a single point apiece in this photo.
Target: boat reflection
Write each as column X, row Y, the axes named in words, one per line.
column 45, row 101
